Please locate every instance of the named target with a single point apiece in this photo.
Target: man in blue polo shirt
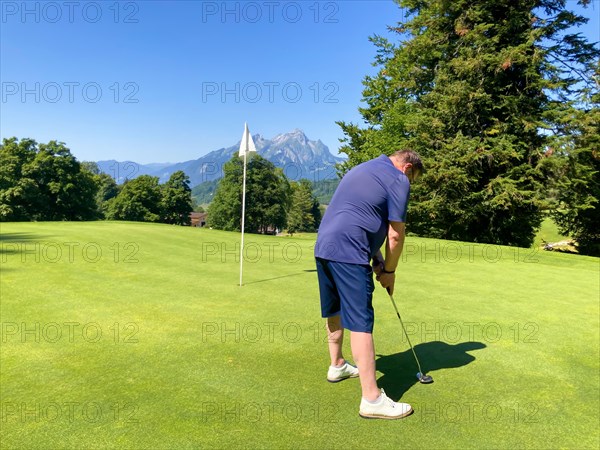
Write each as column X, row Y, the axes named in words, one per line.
column 368, row 206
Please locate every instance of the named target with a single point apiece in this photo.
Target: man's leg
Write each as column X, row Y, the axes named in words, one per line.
column 363, row 352
column 335, row 338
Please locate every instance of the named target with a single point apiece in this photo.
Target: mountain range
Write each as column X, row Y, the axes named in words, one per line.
column 298, row 156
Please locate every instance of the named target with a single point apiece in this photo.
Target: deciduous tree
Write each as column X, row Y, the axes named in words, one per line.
column 267, row 197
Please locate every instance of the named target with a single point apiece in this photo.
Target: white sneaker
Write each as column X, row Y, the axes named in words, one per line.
column 335, row 374
column 385, row 408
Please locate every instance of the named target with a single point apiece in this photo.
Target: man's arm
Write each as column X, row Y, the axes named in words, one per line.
column 393, row 250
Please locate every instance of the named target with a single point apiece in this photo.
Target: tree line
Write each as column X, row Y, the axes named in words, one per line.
column 323, row 190
column 45, row 182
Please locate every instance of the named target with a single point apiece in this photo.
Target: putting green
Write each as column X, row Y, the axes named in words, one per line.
column 130, row 335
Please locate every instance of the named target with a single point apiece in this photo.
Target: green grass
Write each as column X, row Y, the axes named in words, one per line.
column 186, row 358
column 548, row 233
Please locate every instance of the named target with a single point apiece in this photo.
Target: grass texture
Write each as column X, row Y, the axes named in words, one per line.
column 131, row 335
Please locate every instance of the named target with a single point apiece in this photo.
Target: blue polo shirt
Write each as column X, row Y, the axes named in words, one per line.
column 356, row 221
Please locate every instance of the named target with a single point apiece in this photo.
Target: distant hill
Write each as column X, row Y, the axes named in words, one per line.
column 298, row 156
column 324, row 190
column 204, row 192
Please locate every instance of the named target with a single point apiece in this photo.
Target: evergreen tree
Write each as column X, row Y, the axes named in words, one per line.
column 177, row 199
column 304, row 214
column 323, row 190
column 472, row 86
column 107, row 189
column 574, row 167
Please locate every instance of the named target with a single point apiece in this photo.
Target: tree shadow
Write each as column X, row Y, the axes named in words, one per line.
column 19, row 237
column 400, row 369
column 14, row 243
column 13, row 236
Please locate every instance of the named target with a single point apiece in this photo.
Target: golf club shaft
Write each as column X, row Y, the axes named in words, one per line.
column 405, row 333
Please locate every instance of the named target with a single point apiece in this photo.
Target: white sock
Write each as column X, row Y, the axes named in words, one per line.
column 374, row 402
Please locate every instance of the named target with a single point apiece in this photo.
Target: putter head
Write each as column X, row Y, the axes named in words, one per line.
column 425, row 379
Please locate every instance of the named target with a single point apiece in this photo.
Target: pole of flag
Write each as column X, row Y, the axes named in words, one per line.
column 246, row 146
column 243, row 219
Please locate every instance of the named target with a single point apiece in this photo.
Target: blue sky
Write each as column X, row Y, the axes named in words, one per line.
column 156, row 81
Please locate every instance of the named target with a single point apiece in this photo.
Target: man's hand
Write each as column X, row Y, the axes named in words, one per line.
column 387, row 280
column 377, row 265
column 393, row 250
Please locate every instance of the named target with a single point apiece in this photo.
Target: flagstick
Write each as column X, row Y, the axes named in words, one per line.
column 243, row 215
column 246, row 145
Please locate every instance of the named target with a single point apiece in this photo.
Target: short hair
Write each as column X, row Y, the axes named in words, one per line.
column 412, row 157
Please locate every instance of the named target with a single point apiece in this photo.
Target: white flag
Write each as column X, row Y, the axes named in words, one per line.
column 247, row 144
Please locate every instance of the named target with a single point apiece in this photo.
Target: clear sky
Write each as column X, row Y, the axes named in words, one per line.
column 158, row 81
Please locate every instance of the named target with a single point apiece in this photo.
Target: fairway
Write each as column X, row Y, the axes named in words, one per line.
column 132, row 335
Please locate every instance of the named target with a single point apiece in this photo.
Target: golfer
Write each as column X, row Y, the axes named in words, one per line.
column 368, row 206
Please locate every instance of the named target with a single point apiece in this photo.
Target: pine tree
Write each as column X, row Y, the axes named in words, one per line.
column 575, row 171
column 177, row 199
column 304, row 214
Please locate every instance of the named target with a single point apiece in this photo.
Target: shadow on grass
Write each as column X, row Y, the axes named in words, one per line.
column 15, row 243
column 20, row 237
column 400, row 369
column 282, row 276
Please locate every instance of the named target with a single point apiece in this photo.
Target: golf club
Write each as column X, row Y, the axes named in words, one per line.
column 425, row 379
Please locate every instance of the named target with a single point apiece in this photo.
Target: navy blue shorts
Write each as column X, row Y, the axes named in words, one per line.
column 347, row 290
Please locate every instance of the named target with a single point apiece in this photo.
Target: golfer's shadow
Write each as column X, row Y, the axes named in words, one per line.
column 400, row 369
